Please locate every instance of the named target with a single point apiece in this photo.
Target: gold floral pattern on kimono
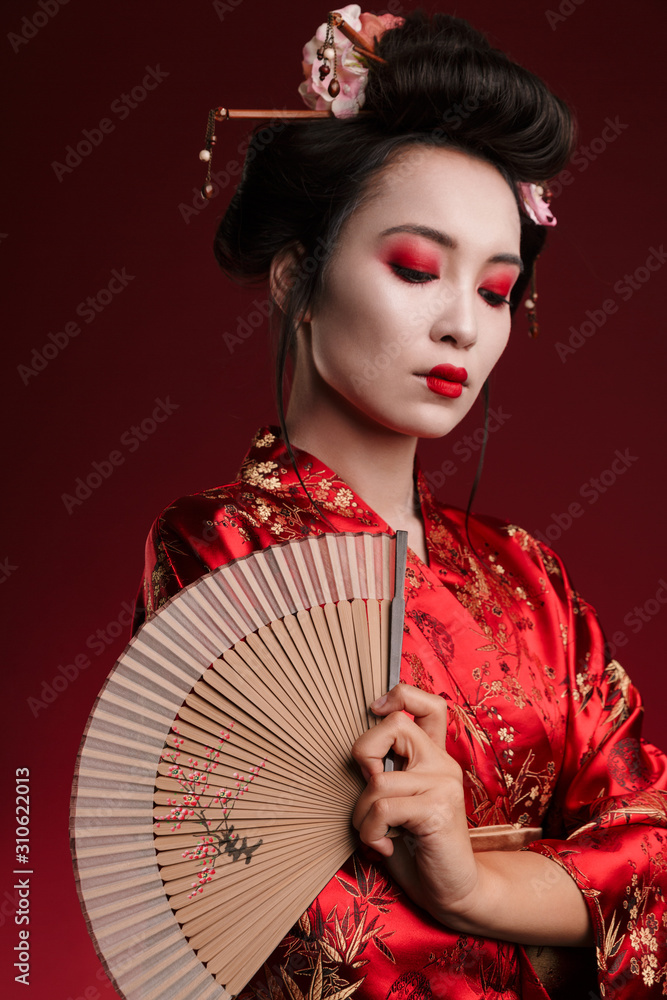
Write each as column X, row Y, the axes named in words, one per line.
column 546, row 729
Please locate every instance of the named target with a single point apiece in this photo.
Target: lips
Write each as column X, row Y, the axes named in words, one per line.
column 446, row 380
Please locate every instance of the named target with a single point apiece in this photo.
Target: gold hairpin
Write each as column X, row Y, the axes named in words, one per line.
column 327, row 54
column 336, row 20
column 224, row 114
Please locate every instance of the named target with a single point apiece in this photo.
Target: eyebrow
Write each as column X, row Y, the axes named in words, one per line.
column 445, row 240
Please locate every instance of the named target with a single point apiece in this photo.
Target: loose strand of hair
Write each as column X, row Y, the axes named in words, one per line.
column 473, row 490
column 287, row 333
column 478, row 475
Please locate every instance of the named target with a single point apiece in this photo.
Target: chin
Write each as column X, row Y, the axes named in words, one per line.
column 439, row 420
column 437, row 426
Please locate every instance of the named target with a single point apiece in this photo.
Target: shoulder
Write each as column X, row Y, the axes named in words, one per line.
column 260, row 508
column 509, row 551
column 210, row 524
column 191, row 536
column 496, row 536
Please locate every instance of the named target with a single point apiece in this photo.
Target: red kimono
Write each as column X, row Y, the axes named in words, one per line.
column 544, row 726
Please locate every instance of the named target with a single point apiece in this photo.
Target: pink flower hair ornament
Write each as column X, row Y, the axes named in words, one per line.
column 535, row 199
column 342, row 92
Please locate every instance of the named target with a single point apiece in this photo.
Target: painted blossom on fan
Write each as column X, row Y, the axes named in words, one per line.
column 536, row 205
column 351, row 70
column 220, row 837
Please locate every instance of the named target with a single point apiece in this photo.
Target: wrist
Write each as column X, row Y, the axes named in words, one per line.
column 508, row 902
column 470, row 911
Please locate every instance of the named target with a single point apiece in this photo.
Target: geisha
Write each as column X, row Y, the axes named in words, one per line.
column 397, row 234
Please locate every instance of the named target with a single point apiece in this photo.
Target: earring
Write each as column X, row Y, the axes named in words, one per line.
column 327, row 53
column 531, row 304
column 206, row 155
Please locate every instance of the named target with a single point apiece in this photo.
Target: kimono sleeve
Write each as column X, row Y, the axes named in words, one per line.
column 609, row 811
column 171, row 562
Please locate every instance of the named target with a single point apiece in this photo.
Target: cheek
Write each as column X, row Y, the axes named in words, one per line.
column 494, row 342
column 501, row 346
column 362, row 312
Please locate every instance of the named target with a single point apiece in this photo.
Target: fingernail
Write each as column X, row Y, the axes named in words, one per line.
column 379, row 702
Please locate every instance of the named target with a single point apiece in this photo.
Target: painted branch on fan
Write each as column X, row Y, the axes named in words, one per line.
column 211, row 810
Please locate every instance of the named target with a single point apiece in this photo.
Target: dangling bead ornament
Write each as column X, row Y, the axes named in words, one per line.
column 206, row 154
column 327, row 53
column 536, row 201
column 531, row 304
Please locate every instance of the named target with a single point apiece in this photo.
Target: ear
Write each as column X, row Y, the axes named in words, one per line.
column 283, row 273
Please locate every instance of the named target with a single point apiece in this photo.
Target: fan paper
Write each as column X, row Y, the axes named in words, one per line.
column 214, row 787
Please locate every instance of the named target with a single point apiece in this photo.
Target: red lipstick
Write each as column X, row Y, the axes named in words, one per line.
column 446, row 380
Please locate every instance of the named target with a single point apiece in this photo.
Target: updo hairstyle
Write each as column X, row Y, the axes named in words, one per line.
column 442, row 85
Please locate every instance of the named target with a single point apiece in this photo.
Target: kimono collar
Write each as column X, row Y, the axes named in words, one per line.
column 267, row 466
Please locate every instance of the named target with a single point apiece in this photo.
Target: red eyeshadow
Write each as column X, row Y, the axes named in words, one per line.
column 500, row 284
column 412, row 255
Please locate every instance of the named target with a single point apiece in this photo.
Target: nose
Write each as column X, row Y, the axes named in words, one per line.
column 455, row 316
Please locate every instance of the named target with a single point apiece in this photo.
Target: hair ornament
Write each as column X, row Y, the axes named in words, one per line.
column 336, row 60
column 531, row 304
column 335, row 63
column 536, row 199
column 335, row 71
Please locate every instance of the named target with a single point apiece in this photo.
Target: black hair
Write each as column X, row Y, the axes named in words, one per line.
column 441, row 85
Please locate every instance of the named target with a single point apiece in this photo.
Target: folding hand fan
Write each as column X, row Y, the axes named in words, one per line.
column 214, row 786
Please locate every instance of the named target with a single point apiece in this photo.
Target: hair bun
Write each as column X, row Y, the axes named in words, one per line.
column 442, row 76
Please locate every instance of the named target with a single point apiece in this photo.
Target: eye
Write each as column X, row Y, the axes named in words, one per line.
column 494, row 299
column 413, row 276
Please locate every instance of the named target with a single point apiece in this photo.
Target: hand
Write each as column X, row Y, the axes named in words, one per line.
column 434, row 863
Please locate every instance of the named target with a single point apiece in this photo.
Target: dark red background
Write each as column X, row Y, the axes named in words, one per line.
column 68, row 575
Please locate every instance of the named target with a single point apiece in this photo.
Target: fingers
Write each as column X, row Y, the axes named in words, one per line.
column 379, row 787
column 424, row 805
column 418, row 740
column 429, row 710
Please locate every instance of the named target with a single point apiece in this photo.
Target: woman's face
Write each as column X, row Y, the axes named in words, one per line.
column 420, row 278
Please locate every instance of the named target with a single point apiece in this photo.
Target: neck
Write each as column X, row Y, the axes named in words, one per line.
column 376, row 462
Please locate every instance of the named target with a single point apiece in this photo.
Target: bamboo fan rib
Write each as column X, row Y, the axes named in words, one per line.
column 214, row 786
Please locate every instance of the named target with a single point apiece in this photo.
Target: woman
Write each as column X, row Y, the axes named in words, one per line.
column 397, row 240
